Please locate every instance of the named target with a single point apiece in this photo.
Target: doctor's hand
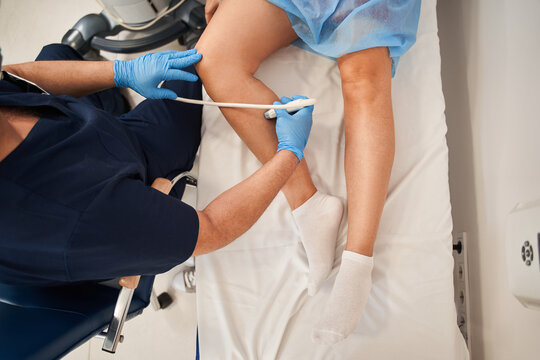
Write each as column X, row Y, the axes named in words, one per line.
column 293, row 129
column 145, row 73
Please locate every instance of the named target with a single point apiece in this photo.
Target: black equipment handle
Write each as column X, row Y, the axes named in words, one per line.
column 165, row 34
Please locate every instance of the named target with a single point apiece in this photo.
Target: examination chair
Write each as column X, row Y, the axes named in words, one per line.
column 48, row 322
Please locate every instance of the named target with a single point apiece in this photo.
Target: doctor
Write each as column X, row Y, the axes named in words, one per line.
column 75, row 169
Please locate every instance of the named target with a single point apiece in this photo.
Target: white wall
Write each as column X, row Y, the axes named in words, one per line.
column 491, row 80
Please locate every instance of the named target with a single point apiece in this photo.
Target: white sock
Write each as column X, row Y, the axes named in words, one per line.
column 347, row 301
column 318, row 221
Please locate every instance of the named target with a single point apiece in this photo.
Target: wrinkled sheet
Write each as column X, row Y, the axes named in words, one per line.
column 252, row 301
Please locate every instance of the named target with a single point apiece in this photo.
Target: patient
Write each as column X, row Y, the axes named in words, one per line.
column 366, row 37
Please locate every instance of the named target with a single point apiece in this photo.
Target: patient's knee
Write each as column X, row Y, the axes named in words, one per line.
column 220, row 72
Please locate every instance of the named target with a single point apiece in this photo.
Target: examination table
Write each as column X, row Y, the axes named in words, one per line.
column 252, row 301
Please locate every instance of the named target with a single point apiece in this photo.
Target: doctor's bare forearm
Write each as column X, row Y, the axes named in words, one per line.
column 369, row 142
column 233, row 212
column 75, row 78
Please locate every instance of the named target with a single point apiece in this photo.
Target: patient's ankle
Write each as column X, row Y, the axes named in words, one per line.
column 299, row 188
column 298, row 195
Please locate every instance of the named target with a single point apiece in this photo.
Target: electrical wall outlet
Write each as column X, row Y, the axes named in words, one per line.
column 461, row 286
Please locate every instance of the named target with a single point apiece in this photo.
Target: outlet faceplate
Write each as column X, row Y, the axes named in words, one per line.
column 461, row 285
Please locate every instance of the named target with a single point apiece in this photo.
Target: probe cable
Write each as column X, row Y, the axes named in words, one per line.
column 291, row 105
column 270, row 114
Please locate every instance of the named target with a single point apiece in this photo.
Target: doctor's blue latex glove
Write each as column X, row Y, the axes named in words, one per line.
column 145, row 73
column 293, row 129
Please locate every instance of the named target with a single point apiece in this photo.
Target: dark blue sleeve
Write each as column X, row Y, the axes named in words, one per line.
column 131, row 229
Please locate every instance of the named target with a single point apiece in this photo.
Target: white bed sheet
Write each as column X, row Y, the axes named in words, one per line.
column 251, row 297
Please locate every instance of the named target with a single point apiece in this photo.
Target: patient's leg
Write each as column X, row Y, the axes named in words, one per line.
column 241, row 34
column 369, row 154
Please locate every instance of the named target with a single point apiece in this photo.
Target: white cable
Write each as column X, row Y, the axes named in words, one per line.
column 178, row 177
column 142, row 27
column 291, row 105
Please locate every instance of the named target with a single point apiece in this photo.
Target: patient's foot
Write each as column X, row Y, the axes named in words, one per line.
column 347, row 301
column 318, row 221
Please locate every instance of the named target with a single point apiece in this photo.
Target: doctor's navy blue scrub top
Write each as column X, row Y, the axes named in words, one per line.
column 75, row 200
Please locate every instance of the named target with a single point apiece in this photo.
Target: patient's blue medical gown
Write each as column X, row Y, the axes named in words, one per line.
column 334, row 28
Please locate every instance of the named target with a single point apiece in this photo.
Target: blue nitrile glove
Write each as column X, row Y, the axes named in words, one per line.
column 293, row 129
column 145, row 73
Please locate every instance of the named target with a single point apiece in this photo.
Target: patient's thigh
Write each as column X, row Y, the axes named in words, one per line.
column 244, row 33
